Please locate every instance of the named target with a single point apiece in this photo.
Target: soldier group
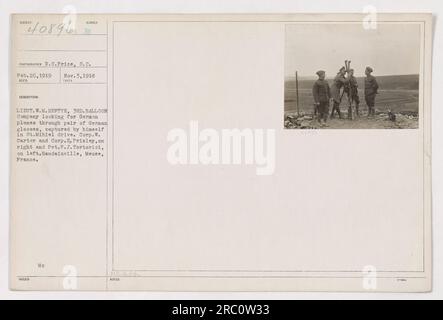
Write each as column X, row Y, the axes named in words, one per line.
column 323, row 94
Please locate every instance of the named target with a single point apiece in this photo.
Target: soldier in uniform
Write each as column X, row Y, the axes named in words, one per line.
column 339, row 82
column 371, row 89
column 352, row 91
column 322, row 95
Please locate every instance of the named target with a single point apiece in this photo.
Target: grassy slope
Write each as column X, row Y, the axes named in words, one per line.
column 398, row 93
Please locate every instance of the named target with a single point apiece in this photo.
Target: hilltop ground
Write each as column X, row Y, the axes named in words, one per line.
column 379, row 121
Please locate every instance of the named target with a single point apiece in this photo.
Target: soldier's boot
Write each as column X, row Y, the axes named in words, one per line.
column 357, row 112
column 369, row 111
column 335, row 108
column 339, row 114
column 325, row 117
column 350, row 113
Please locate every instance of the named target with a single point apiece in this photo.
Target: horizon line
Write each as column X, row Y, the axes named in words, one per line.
column 357, row 76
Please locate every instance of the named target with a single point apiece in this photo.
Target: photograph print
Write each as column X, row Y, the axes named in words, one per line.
column 346, row 76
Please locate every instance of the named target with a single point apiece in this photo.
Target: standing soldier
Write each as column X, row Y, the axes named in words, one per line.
column 322, row 94
column 371, row 89
column 339, row 82
column 353, row 94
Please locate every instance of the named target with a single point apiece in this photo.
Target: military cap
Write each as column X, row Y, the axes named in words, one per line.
column 369, row 69
column 342, row 69
column 320, row 73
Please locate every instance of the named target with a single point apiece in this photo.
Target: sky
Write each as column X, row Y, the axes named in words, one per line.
column 391, row 49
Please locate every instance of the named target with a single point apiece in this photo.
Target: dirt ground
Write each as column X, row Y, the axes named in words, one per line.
column 379, row 121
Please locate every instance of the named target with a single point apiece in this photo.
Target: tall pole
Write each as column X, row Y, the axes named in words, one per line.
column 296, row 92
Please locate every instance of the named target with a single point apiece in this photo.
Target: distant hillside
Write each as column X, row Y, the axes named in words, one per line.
column 398, row 82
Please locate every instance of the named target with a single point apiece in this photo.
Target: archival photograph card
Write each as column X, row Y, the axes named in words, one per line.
column 258, row 152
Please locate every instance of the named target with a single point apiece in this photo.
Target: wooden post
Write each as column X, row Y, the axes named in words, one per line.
column 296, row 92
